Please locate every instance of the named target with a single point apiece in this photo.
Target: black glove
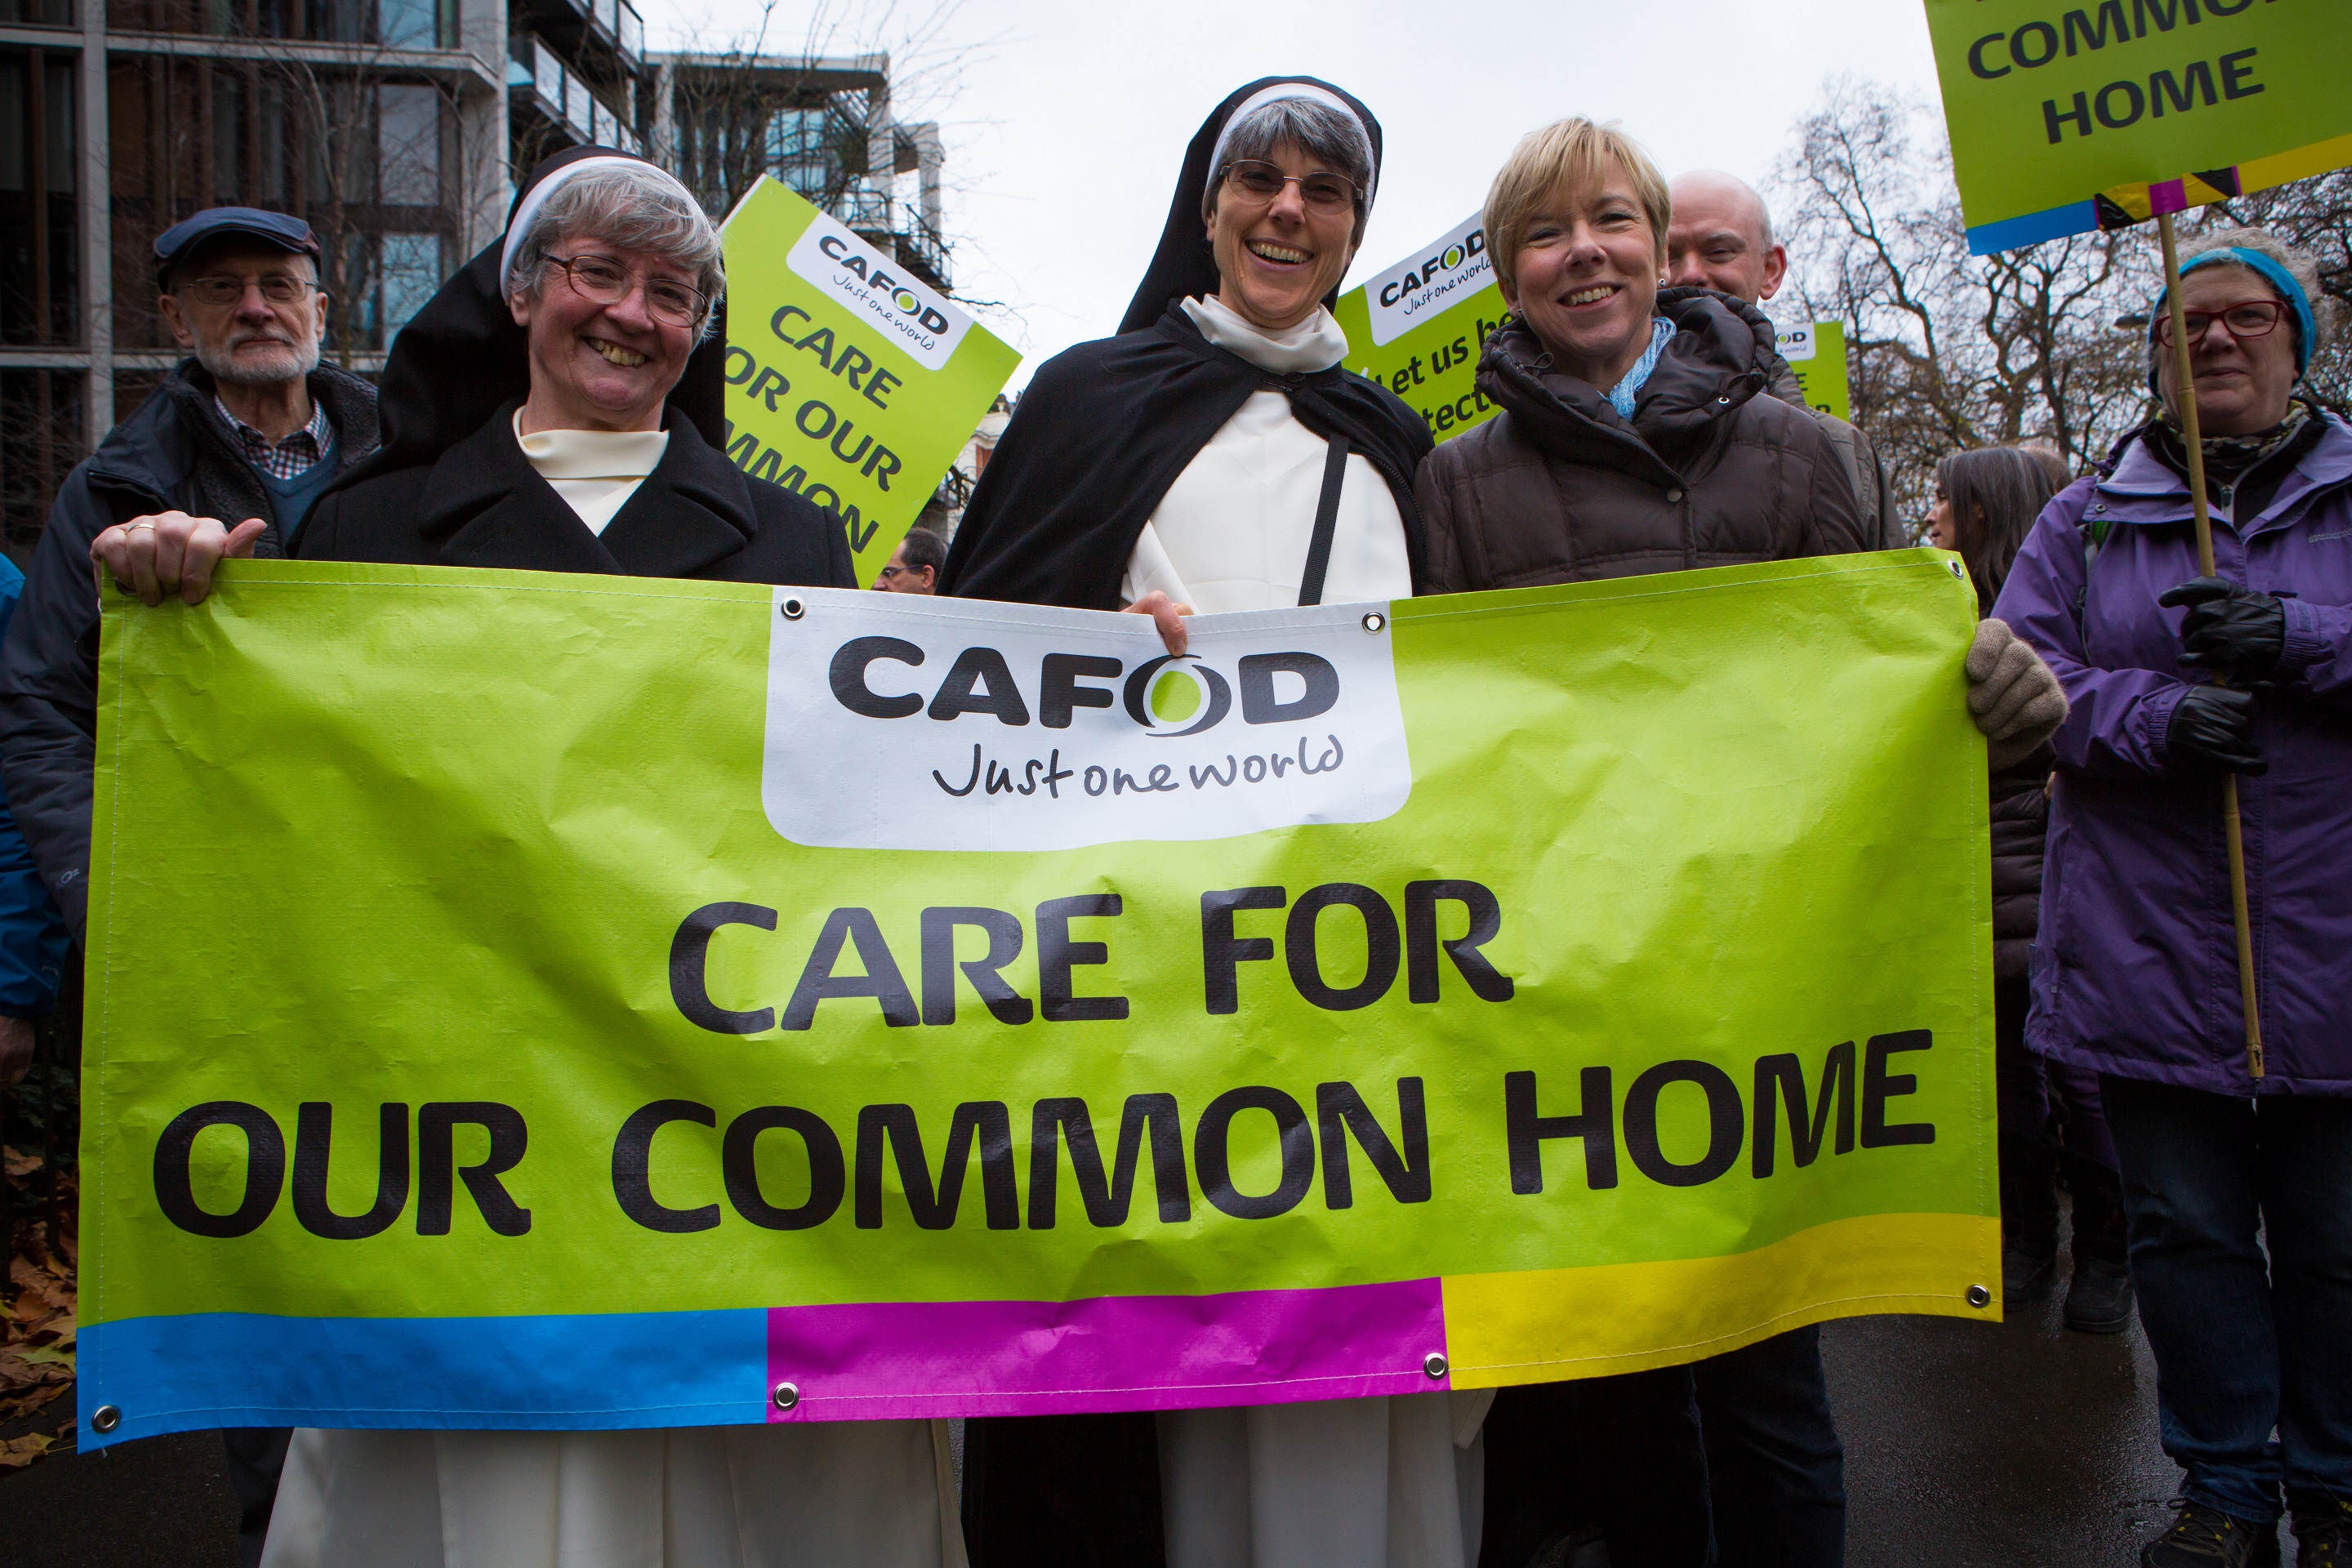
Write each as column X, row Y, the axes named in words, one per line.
column 2213, row 731
column 2231, row 630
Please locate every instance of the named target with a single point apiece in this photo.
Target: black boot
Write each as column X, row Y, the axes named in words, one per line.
column 2323, row 1530
column 2026, row 1276
column 2099, row 1302
column 2207, row 1538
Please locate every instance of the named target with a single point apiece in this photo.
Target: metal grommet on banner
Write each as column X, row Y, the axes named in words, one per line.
column 105, row 1418
column 1980, row 1297
column 793, row 609
column 1433, row 1363
column 1374, row 621
column 1959, row 571
column 787, row 1395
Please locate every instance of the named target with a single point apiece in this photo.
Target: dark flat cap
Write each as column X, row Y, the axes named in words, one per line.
column 288, row 234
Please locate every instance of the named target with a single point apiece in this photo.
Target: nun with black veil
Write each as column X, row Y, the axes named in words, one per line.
column 557, row 407
column 1214, row 456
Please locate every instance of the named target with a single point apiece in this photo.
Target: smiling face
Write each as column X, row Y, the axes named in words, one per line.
column 2243, row 384
column 597, row 366
column 1717, row 239
column 1275, row 260
column 252, row 341
column 1586, row 278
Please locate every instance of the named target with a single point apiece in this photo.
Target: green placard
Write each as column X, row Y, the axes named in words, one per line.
column 1416, row 328
column 1817, row 353
column 2066, row 119
column 848, row 380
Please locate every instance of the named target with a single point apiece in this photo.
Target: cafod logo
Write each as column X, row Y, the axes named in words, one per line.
column 937, row 724
column 1419, row 287
column 878, row 291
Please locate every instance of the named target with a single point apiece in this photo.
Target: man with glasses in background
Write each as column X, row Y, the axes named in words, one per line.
column 251, row 426
column 914, row 566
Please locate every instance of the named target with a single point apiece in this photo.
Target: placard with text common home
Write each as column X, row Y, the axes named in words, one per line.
column 2070, row 118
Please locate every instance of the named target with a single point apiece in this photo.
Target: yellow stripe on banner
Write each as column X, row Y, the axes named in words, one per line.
column 2134, row 200
column 1550, row 1324
column 2319, row 158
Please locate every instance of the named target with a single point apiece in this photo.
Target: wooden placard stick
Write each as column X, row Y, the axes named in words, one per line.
column 2185, row 395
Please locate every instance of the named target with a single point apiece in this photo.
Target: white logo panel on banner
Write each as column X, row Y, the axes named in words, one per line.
column 896, row 722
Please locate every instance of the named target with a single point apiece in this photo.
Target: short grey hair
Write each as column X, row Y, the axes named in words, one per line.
column 2300, row 265
column 630, row 206
column 1322, row 132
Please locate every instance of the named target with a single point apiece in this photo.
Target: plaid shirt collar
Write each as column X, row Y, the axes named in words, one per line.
column 292, row 457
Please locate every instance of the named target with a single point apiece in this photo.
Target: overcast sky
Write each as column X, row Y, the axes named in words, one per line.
column 1065, row 125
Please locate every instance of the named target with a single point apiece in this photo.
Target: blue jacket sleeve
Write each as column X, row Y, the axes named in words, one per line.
column 33, row 940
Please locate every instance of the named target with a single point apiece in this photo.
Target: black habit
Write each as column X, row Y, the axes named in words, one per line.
column 1106, row 426
column 482, row 504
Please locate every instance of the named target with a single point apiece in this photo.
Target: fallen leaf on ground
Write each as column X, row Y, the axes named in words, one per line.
column 19, row 1452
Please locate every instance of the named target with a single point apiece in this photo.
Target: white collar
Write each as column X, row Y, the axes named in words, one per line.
column 1315, row 343
column 592, row 454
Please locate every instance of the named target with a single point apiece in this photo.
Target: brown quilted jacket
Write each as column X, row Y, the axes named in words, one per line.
column 1559, row 487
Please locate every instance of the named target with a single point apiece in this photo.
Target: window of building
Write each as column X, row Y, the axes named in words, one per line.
column 803, row 154
column 408, row 145
column 40, row 223
column 41, row 440
column 410, row 24
column 37, row 13
column 412, row 273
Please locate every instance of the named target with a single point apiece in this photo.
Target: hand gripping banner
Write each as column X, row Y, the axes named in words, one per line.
column 537, row 1001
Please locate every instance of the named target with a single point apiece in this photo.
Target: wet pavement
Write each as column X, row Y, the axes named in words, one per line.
column 1982, row 1445
column 1968, row 1445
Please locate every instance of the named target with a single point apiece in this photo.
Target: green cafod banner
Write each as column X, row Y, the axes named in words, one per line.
column 849, row 379
column 2066, row 119
column 524, row 1000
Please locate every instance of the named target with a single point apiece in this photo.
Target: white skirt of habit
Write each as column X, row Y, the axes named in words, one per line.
column 1343, row 1483
column 878, row 1494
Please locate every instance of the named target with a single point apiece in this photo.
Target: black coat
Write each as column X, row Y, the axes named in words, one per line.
column 1105, row 429
column 482, row 504
column 2020, row 820
column 174, row 453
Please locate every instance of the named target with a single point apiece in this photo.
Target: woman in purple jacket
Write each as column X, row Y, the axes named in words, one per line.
column 2175, row 680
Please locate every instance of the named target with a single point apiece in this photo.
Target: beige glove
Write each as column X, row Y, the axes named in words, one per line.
column 2012, row 695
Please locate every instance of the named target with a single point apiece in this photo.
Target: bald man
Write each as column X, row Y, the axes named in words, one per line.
column 1720, row 238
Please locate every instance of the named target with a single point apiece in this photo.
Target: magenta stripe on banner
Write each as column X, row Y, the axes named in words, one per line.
column 1113, row 1352
column 2170, row 196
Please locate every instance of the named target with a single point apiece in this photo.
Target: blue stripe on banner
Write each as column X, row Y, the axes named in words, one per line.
column 239, row 1369
column 2080, row 217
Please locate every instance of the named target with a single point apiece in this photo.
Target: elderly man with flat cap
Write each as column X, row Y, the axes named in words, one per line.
column 1721, row 238
column 252, row 428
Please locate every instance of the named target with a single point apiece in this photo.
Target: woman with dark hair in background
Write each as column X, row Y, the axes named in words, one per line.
column 1214, row 456
column 1986, row 502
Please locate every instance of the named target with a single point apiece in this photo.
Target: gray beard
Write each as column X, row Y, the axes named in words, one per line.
column 288, row 364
